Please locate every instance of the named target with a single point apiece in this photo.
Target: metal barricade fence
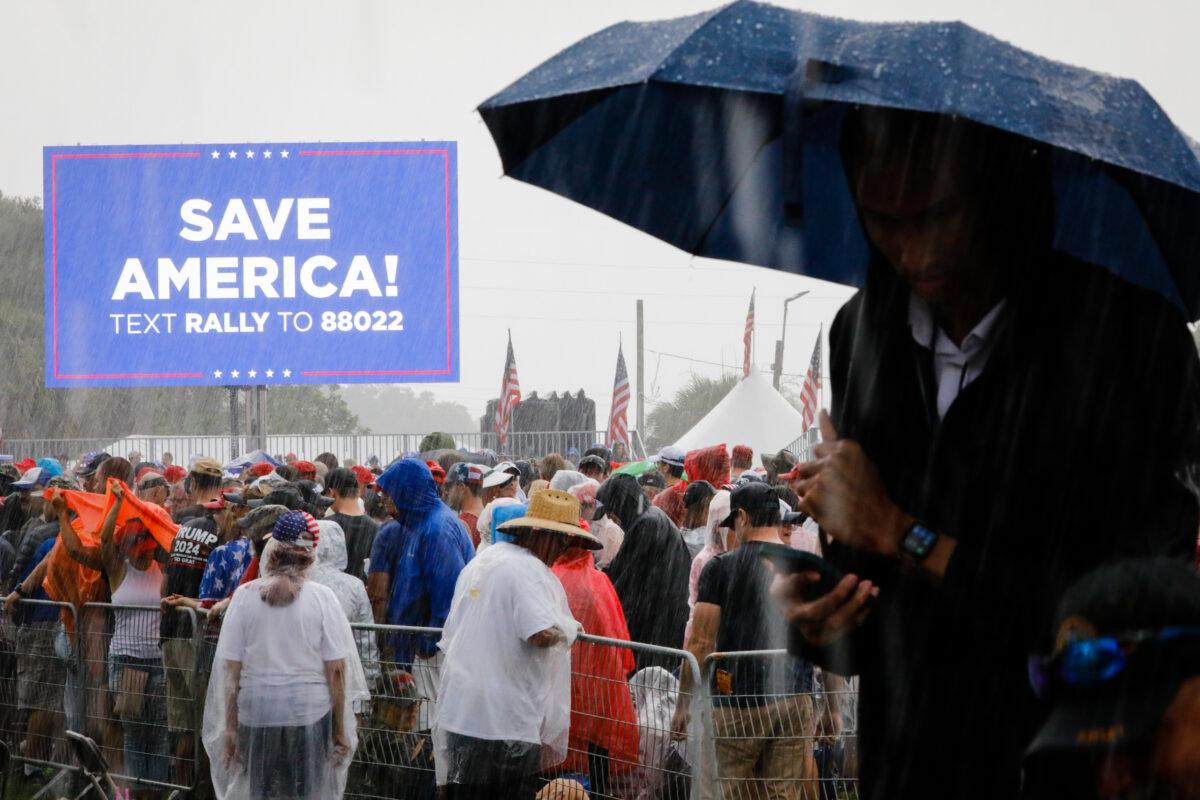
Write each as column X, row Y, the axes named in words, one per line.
column 623, row 698
column 774, row 732
column 40, row 687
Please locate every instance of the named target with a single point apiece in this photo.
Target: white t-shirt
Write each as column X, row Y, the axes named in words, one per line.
column 283, row 650
column 495, row 685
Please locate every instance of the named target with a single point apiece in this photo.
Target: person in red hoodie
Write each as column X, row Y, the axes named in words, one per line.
column 604, row 732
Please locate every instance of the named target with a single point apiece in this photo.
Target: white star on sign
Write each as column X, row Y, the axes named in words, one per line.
column 249, row 154
column 287, row 373
column 216, row 373
column 233, row 153
column 252, row 374
column 215, row 154
column 283, row 153
column 233, row 373
column 270, row 373
column 266, row 153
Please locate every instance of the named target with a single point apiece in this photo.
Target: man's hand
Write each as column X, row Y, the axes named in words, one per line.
column 825, row 620
column 118, row 491
column 58, row 503
column 231, row 758
column 547, row 638
column 842, row 491
column 11, row 601
column 341, row 748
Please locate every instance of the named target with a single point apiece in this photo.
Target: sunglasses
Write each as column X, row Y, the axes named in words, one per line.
column 1091, row 662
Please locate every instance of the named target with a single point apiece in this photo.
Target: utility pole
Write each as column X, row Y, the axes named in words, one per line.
column 778, row 370
column 233, row 422
column 641, row 370
column 256, row 416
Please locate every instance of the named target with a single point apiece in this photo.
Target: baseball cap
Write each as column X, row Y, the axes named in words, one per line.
column 364, row 475
column 652, row 478
column 263, row 516
column 305, row 468
column 1128, row 636
column 465, row 472
column 92, row 462
column 206, row 466
column 33, row 480
column 435, row 469
column 297, row 528
column 286, row 495
column 593, row 460
column 752, row 497
column 501, row 474
column 311, row 492
column 670, row 455
column 150, row 478
column 174, row 473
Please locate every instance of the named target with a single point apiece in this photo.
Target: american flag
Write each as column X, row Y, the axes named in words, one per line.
column 747, row 337
column 811, row 390
column 618, row 422
column 510, row 395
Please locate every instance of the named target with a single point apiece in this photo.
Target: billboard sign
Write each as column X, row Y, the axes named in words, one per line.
column 278, row 263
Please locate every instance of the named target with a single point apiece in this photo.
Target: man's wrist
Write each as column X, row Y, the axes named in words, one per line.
column 897, row 528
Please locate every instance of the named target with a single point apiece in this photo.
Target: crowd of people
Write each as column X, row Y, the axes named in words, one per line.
column 550, row 548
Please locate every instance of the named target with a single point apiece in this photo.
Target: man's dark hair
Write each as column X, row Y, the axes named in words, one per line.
column 676, row 472
column 328, row 459
column 764, row 517
column 342, row 482
column 787, row 495
column 1015, row 195
column 204, row 482
column 288, row 473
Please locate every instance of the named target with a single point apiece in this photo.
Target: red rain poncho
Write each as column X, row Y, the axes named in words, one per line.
column 671, row 503
column 601, row 705
column 708, row 464
column 69, row 581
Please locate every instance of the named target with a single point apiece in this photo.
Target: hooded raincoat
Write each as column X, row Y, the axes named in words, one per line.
column 602, row 711
column 284, row 746
column 329, row 570
column 422, row 554
column 650, row 571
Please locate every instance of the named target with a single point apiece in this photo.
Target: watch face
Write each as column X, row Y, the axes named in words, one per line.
column 919, row 541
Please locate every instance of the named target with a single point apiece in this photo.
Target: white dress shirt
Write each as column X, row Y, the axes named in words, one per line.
column 954, row 367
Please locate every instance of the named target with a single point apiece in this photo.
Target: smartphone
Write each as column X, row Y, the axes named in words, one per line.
column 789, row 560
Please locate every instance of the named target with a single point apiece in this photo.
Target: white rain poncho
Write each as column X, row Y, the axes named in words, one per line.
column 329, row 571
column 504, row 709
column 284, row 734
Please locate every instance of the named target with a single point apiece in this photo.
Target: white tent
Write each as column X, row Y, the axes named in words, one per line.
column 753, row 414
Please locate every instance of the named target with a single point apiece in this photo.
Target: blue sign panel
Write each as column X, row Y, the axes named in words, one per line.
column 245, row 264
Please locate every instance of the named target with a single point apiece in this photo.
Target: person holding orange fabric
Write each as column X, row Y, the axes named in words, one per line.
column 604, row 734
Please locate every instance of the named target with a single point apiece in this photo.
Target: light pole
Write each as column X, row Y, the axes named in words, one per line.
column 778, row 371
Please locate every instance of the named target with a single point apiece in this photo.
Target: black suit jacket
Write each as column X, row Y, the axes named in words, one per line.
column 1076, row 445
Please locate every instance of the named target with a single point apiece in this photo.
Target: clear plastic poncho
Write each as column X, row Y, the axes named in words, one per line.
column 278, row 760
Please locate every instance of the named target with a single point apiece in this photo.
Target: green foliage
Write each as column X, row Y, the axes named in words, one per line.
column 437, row 441
column 671, row 420
column 29, row 410
column 390, row 408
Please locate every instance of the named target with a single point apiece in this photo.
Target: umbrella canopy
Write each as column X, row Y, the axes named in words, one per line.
column 718, row 133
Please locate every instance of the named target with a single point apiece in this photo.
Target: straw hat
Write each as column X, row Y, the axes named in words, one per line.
column 551, row 510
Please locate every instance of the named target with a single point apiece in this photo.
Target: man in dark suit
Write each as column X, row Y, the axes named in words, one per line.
column 1005, row 418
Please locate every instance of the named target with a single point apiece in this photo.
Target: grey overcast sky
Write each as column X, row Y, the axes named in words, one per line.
column 564, row 278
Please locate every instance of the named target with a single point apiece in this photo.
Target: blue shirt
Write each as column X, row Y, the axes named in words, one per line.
column 224, row 570
column 39, row 613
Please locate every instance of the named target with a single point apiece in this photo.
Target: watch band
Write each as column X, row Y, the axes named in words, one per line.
column 918, row 542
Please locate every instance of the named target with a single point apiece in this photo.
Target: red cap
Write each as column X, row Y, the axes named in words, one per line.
column 439, row 474
column 258, row 470
column 25, row 464
column 174, row 473
column 364, row 475
column 305, row 468
column 141, row 473
column 290, row 458
column 215, row 504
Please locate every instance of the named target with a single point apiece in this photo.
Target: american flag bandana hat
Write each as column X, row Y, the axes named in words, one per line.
column 291, row 528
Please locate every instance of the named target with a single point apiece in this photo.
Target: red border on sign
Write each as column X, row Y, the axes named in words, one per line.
column 54, row 260
column 445, row 154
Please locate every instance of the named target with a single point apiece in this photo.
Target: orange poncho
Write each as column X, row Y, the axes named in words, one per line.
column 601, row 706
column 67, row 580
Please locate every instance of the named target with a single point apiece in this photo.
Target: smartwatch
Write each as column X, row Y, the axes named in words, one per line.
column 918, row 542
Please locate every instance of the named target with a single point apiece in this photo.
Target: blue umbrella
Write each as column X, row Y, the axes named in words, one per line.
column 718, row 133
